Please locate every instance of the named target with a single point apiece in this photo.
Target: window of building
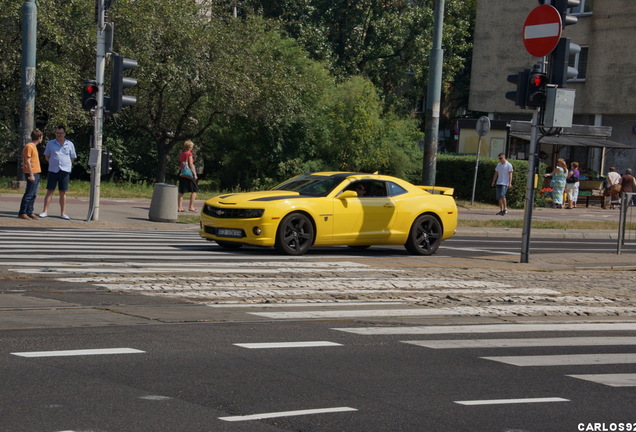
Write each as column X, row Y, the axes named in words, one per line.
column 584, row 8
column 579, row 61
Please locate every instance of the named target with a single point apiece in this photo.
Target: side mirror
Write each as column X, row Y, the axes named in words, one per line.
column 348, row 194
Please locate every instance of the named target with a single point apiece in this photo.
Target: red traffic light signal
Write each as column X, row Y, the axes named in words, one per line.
column 537, row 86
column 89, row 95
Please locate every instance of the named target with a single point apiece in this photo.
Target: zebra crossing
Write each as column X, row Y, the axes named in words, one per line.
column 620, row 345
column 179, row 264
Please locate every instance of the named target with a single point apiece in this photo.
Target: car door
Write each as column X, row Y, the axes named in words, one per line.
column 364, row 219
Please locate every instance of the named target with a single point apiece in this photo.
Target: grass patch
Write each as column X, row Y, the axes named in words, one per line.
column 541, row 224
column 108, row 189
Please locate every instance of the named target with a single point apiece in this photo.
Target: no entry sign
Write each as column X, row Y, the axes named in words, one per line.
column 542, row 30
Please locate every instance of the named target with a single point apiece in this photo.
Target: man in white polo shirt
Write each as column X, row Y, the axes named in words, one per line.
column 60, row 153
column 502, row 180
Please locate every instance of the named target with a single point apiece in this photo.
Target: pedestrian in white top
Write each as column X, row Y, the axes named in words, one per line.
column 60, row 153
column 502, row 180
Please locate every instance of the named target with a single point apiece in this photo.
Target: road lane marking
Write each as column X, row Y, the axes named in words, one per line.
column 612, row 380
column 566, row 359
column 287, row 414
column 101, row 351
column 265, row 345
column 352, row 313
column 488, row 328
column 511, row 401
column 520, row 343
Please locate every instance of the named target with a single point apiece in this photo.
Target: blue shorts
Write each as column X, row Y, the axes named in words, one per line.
column 59, row 179
column 502, row 190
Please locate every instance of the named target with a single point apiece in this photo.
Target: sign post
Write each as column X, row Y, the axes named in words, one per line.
column 483, row 126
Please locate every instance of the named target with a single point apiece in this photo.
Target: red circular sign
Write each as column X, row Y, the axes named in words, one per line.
column 542, row 30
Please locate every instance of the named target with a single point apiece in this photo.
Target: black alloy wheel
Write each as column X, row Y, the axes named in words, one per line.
column 425, row 235
column 295, row 234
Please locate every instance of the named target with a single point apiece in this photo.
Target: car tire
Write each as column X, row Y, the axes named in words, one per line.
column 295, row 234
column 425, row 235
column 228, row 245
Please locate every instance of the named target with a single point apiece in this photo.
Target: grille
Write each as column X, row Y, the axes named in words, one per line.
column 232, row 213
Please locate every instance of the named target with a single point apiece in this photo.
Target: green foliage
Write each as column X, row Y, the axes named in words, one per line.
column 361, row 138
column 287, row 87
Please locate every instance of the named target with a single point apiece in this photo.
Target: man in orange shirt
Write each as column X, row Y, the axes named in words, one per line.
column 32, row 170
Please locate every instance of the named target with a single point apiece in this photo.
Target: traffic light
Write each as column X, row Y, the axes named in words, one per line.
column 89, row 95
column 561, row 70
column 107, row 162
column 560, row 60
column 537, row 86
column 118, row 82
column 562, row 6
column 521, row 80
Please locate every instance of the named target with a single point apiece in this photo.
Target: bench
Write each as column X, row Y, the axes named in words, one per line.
column 591, row 190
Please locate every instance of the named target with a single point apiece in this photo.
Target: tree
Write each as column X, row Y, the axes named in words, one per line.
column 63, row 61
column 386, row 41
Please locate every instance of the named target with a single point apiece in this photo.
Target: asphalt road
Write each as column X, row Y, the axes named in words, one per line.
column 178, row 316
column 197, row 378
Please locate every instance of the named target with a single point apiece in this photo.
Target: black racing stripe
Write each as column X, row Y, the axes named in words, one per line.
column 284, row 197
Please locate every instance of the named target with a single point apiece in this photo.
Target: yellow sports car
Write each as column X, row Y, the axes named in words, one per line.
column 333, row 208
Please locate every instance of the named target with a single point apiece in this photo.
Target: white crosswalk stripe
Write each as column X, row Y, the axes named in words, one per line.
column 531, row 359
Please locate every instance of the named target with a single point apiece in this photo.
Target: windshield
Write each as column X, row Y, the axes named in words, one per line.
column 310, row 185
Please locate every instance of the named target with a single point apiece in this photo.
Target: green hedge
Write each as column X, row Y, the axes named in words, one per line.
column 459, row 172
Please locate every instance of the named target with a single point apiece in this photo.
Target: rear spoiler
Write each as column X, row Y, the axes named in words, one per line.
column 439, row 190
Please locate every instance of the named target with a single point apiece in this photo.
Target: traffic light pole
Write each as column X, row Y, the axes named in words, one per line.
column 532, row 160
column 96, row 147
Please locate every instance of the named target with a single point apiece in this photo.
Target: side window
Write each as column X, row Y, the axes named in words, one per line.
column 395, row 189
column 377, row 189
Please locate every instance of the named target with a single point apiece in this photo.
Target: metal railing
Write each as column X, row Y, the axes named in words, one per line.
column 626, row 221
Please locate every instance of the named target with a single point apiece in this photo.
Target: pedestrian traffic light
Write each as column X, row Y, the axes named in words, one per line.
column 537, row 86
column 107, row 162
column 89, row 95
column 119, row 82
column 521, row 80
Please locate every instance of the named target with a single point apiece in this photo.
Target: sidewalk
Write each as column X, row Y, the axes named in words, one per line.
column 113, row 213
column 133, row 214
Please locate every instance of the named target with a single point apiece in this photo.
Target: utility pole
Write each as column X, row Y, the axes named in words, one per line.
column 27, row 97
column 433, row 98
column 96, row 146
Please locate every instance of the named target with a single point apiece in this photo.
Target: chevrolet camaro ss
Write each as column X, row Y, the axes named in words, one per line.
column 330, row 209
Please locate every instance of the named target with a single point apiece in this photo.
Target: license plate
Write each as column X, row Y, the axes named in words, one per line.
column 228, row 232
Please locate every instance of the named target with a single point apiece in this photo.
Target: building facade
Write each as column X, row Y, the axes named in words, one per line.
column 605, row 86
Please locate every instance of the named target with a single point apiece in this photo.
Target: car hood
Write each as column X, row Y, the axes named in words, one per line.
column 252, row 197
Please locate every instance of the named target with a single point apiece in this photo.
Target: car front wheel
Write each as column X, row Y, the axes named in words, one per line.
column 425, row 236
column 295, row 234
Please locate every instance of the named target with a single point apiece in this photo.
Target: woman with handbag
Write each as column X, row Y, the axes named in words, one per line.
column 558, row 182
column 572, row 185
column 187, row 176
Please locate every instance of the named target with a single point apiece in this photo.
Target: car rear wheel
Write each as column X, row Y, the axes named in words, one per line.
column 425, row 235
column 295, row 234
column 228, row 245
